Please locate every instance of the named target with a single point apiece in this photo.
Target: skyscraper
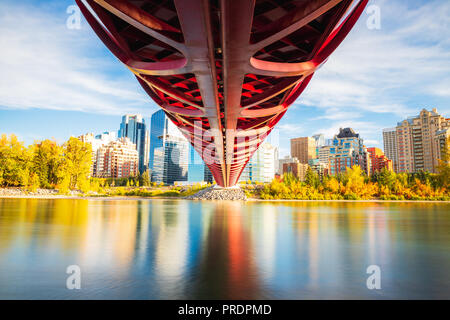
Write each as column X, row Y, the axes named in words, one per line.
column 197, row 170
column 324, row 153
column 319, row 139
column 417, row 149
column 133, row 127
column 390, row 146
column 304, row 149
column 261, row 166
column 320, row 142
column 348, row 151
column 170, row 161
column 441, row 140
column 160, row 128
column 169, row 150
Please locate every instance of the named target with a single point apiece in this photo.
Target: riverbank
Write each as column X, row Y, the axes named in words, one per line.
column 50, row 194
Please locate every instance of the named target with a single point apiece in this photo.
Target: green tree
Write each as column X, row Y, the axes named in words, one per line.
column 312, row 178
column 145, row 178
column 386, row 178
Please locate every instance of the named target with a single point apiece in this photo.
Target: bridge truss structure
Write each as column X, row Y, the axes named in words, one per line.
column 224, row 71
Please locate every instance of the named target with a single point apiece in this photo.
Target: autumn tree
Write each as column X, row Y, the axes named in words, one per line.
column 77, row 163
column 48, row 163
column 14, row 162
column 354, row 179
column 312, row 178
column 145, row 177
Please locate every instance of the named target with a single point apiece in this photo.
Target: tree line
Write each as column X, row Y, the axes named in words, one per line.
column 354, row 184
column 67, row 166
column 47, row 164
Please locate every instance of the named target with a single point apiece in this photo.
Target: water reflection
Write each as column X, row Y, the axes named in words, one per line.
column 151, row 249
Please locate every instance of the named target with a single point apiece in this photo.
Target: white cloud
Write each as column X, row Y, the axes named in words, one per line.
column 45, row 65
column 380, row 70
column 378, row 77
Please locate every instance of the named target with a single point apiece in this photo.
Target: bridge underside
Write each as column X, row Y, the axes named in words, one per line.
column 224, row 71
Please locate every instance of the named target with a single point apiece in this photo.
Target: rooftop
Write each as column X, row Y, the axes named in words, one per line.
column 347, row 133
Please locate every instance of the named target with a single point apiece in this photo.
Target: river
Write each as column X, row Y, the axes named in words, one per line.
column 179, row 249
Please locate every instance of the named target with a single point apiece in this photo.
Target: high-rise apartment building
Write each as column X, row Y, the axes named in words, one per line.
column 416, row 145
column 320, row 142
column 441, row 141
column 133, row 127
column 390, row 146
column 324, row 154
column 347, row 151
column 378, row 160
column 261, row 166
column 117, row 159
column 304, row 149
column 97, row 142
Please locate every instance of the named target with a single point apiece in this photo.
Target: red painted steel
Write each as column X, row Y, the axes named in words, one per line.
column 224, row 71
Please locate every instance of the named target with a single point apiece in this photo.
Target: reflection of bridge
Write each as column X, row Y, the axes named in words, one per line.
column 224, row 71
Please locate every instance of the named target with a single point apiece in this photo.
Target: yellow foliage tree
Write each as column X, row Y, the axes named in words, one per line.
column 77, row 163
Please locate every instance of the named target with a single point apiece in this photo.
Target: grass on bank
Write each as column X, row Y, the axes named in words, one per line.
column 149, row 192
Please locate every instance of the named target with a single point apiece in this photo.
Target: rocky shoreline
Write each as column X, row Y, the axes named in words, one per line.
column 211, row 193
column 215, row 193
column 20, row 192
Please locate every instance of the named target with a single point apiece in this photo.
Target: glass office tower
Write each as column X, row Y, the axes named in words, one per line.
column 168, row 155
column 170, row 162
column 197, row 170
column 172, row 157
column 261, row 167
column 133, row 127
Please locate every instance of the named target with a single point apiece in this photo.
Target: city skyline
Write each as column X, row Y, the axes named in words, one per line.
column 348, row 102
column 196, row 152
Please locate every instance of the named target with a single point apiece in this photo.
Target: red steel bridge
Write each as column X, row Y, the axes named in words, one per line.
column 224, row 71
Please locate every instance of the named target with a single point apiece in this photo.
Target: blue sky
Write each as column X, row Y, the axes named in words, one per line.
column 57, row 82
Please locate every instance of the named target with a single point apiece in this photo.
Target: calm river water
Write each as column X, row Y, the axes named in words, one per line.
column 177, row 249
